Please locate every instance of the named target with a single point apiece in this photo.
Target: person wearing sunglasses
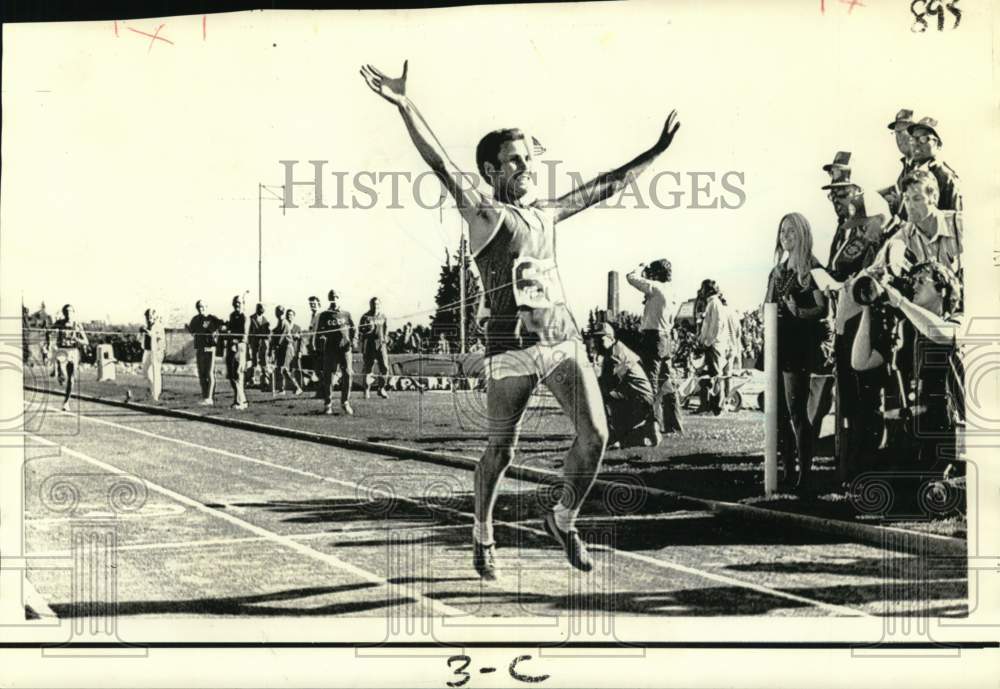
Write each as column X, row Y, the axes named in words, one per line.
column 904, row 142
column 926, row 149
column 855, row 246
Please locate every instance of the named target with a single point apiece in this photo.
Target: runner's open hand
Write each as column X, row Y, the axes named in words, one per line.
column 669, row 130
column 393, row 90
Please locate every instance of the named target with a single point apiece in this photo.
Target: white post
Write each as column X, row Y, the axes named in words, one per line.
column 771, row 401
column 461, row 297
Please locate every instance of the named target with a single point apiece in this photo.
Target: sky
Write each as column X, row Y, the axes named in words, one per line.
column 131, row 164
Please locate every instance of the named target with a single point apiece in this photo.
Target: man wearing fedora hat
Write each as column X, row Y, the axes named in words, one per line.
column 840, row 169
column 855, row 246
column 926, row 147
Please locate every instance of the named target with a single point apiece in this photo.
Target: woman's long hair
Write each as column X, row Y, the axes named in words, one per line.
column 801, row 258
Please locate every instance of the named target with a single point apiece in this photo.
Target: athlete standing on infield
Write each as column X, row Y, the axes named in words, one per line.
column 531, row 336
column 335, row 335
column 374, row 336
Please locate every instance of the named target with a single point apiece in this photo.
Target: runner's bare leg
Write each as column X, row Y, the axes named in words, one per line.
column 574, row 385
column 506, row 400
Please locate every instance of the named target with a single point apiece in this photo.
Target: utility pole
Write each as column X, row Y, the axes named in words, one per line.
column 261, row 188
column 260, row 245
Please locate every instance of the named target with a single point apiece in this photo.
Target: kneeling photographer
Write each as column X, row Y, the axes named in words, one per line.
column 910, row 322
column 626, row 390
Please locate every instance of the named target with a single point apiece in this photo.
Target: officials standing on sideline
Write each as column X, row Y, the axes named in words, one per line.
column 373, row 333
column 335, row 332
column 236, row 352
column 205, row 327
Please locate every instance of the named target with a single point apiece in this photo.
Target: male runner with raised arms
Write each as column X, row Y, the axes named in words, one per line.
column 531, row 336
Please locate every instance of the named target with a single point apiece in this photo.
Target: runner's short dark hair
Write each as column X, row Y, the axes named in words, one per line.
column 489, row 147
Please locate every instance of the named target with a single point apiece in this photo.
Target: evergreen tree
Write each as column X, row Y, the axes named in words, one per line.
column 446, row 318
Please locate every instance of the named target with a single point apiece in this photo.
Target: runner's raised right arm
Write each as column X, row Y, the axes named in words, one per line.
column 471, row 203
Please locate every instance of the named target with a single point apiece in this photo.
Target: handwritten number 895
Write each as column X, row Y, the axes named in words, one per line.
column 921, row 8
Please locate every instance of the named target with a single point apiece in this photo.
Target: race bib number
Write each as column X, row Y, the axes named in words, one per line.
column 536, row 283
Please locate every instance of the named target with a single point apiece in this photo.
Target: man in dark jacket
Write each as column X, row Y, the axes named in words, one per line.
column 335, row 334
column 236, row 352
column 627, row 392
column 373, row 334
column 926, row 149
column 205, row 327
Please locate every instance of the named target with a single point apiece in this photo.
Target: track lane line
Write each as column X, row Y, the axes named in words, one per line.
column 439, row 607
column 208, row 542
column 664, row 564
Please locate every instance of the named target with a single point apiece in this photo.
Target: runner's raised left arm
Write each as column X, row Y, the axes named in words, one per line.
column 610, row 183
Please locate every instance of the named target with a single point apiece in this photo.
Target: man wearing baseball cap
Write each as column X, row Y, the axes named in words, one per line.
column 335, row 333
column 904, row 142
column 627, row 393
column 926, row 147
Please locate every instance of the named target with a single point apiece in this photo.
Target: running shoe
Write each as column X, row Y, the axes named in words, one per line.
column 484, row 560
column 573, row 546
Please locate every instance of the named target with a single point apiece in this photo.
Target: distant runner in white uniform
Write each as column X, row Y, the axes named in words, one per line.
column 531, row 336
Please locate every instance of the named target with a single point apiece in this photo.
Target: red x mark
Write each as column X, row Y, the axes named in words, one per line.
column 153, row 36
column 852, row 3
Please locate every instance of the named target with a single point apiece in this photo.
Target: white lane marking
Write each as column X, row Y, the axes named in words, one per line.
column 37, row 602
column 830, row 607
column 158, row 511
column 441, row 608
column 208, row 542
